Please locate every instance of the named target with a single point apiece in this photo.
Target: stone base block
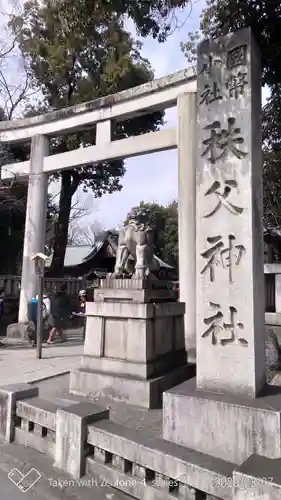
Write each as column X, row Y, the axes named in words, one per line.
column 151, row 369
column 233, row 428
column 132, row 295
column 17, row 331
column 135, row 333
column 134, row 391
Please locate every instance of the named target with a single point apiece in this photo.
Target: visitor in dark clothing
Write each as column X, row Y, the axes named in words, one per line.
column 60, row 312
column 32, row 316
column 82, row 309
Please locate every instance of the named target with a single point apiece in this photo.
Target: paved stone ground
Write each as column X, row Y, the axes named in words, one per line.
column 19, row 364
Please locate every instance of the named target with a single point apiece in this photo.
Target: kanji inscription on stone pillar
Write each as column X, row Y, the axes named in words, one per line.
column 230, row 279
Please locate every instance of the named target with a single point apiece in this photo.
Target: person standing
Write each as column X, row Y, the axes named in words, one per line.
column 60, row 312
column 82, row 302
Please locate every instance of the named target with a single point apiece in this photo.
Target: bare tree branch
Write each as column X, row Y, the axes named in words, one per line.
column 83, row 230
column 88, row 234
column 13, row 67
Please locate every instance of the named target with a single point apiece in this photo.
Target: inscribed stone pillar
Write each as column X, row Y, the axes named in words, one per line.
column 230, row 280
column 35, row 221
column 186, row 107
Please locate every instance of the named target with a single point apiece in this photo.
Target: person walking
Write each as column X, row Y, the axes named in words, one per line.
column 32, row 316
column 81, row 313
column 60, row 312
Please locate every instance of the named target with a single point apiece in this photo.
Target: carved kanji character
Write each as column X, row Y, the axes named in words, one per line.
column 236, row 84
column 210, row 64
column 220, row 255
column 221, row 141
column 210, row 94
column 216, row 325
column 236, row 57
column 222, row 197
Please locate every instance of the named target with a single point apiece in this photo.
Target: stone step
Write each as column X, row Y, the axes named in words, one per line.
column 136, row 391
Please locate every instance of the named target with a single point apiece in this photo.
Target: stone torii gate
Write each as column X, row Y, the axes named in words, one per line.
column 178, row 89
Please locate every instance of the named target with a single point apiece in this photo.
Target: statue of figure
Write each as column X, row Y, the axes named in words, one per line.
column 136, row 239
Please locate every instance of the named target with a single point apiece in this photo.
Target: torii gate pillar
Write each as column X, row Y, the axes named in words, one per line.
column 186, row 106
column 35, row 221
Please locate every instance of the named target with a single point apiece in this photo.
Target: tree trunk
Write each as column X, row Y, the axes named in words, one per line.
column 68, row 188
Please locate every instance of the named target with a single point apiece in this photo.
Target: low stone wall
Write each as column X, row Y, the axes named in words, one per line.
column 35, row 425
column 133, row 462
column 81, row 440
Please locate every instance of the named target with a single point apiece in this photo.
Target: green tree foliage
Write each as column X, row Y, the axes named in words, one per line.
column 264, row 17
column 13, row 195
column 13, row 198
column 154, row 17
column 170, row 252
column 79, row 50
column 164, row 221
column 12, row 220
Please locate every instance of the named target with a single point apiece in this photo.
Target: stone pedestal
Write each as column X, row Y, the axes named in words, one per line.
column 225, row 426
column 134, row 345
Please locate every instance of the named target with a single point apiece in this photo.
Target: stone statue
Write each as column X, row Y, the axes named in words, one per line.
column 136, row 240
